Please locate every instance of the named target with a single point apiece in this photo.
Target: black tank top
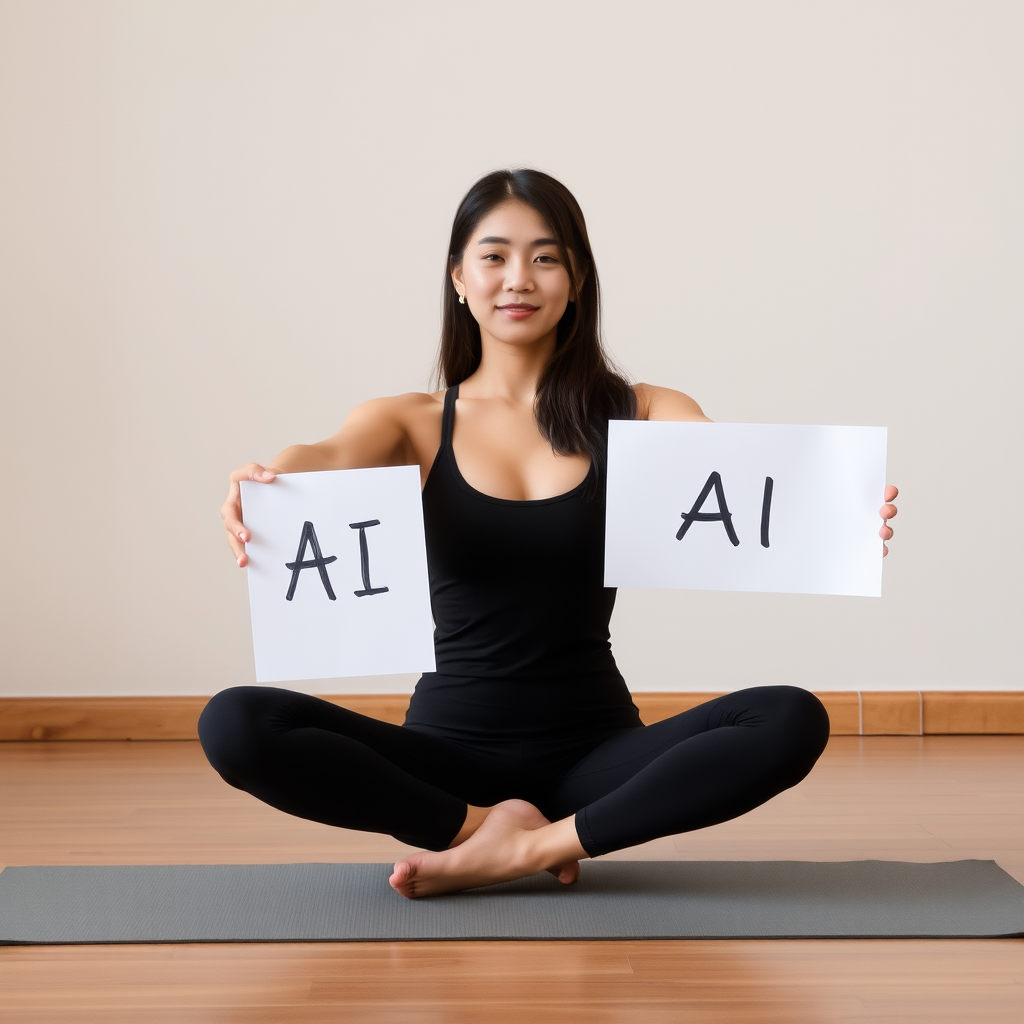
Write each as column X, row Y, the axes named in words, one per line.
column 520, row 609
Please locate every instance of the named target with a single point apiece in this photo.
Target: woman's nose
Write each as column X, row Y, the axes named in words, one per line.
column 518, row 277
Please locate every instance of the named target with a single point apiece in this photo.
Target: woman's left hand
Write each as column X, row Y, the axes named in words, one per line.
column 887, row 511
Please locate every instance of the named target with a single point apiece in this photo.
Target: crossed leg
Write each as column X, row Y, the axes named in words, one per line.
column 696, row 769
column 316, row 760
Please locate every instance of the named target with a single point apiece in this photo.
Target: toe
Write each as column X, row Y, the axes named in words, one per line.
column 569, row 873
column 402, row 878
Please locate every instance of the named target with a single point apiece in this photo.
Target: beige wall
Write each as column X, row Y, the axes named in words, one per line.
column 223, row 224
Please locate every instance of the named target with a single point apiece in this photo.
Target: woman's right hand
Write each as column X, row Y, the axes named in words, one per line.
column 231, row 510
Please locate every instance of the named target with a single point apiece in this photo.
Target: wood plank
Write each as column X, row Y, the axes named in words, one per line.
column 843, row 709
column 143, row 718
column 794, row 982
column 894, row 713
column 99, row 718
column 973, row 712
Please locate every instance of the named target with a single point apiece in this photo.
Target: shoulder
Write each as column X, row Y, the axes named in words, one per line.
column 405, row 412
column 655, row 403
column 400, row 430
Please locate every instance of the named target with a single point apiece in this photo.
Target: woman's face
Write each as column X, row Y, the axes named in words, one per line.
column 512, row 275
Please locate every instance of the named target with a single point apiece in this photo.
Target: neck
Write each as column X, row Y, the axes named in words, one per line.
column 509, row 371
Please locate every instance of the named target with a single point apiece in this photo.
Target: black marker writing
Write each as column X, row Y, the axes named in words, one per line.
column 766, row 510
column 317, row 561
column 364, row 559
column 723, row 515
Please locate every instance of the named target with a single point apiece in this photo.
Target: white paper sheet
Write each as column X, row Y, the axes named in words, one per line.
column 379, row 620
column 820, row 515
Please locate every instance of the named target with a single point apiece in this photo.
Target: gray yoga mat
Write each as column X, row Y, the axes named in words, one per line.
column 613, row 900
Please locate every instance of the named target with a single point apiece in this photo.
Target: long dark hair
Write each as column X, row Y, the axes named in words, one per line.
column 579, row 390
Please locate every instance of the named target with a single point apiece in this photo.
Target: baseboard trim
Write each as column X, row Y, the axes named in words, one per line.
column 852, row 713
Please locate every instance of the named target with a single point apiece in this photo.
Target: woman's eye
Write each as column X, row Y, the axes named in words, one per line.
column 492, row 256
column 549, row 259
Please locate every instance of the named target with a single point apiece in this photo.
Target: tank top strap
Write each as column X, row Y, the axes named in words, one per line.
column 448, row 417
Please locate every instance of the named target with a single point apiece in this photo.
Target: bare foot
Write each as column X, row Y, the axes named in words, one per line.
column 566, row 873
column 515, row 840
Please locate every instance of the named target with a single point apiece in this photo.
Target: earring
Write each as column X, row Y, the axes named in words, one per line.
column 462, row 299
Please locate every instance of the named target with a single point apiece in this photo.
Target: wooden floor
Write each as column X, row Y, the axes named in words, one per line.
column 910, row 798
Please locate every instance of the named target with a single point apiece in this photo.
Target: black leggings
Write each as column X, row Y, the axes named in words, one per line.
column 316, row 760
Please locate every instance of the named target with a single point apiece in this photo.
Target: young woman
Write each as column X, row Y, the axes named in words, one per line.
column 523, row 752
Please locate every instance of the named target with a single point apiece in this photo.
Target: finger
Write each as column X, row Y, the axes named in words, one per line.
column 891, row 493
column 255, row 472
column 231, row 510
column 236, row 528
column 231, row 513
column 238, row 550
column 887, row 511
column 885, row 533
column 885, row 551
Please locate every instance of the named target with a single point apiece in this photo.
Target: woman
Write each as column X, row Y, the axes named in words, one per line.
column 523, row 752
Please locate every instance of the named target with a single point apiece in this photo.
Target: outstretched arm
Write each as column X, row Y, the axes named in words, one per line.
column 383, row 432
